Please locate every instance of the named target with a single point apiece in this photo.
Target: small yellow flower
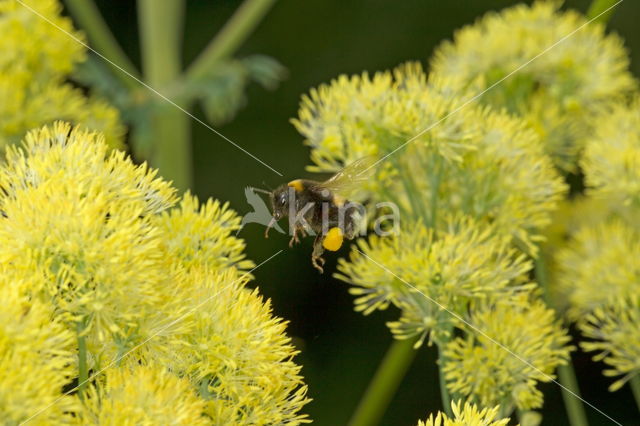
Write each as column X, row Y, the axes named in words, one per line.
column 466, row 415
column 353, row 117
column 611, row 161
column 615, row 330
column 36, row 358
column 478, row 368
column 598, row 271
column 576, row 213
column 573, row 215
column 143, row 396
column 600, row 264
column 203, row 235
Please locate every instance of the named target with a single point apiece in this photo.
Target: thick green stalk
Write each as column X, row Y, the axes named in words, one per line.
column 444, row 392
column 385, row 382
column 83, row 370
column 599, row 6
column 442, row 341
column 409, row 188
column 634, row 383
column 574, row 407
column 448, row 332
column 161, row 41
column 566, row 374
column 230, row 37
column 102, row 40
column 435, row 188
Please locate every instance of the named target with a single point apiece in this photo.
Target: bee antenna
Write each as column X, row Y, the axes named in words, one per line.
column 260, row 190
column 268, row 186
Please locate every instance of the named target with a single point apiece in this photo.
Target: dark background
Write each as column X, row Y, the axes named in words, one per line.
column 317, row 40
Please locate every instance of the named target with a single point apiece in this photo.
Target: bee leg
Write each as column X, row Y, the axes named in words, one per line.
column 271, row 223
column 314, row 262
column 316, row 256
column 295, row 238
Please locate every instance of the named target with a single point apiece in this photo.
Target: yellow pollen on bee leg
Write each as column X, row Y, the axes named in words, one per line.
column 333, row 240
column 296, row 184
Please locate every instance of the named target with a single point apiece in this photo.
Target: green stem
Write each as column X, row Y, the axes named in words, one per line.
column 161, row 40
column 409, row 189
column 83, row 371
column 573, row 405
column 635, row 388
column 230, row 37
column 444, row 392
column 566, row 373
column 599, row 6
column 435, row 188
column 542, row 277
column 102, row 39
column 384, row 384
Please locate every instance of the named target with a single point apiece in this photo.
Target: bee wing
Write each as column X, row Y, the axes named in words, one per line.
column 351, row 178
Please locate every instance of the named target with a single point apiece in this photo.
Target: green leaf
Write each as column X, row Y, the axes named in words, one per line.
column 94, row 74
column 265, row 70
column 222, row 94
column 222, row 91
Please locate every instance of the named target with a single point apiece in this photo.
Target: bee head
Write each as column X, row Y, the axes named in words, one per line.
column 280, row 202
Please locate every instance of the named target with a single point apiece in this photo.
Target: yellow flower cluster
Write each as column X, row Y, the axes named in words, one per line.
column 464, row 266
column 471, row 184
column 466, row 415
column 202, row 236
column 599, row 272
column 130, row 285
column 361, row 115
column 475, row 184
column 143, row 395
column 615, row 330
column 475, row 179
column 485, row 164
column 517, row 347
column 236, row 351
column 80, row 219
column 573, row 214
column 599, row 265
column 611, row 160
column 37, row 54
column 36, row 357
column 561, row 87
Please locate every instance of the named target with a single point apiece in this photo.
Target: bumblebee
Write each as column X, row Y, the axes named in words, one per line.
column 321, row 208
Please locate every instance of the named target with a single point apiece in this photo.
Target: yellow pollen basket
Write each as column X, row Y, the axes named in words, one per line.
column 296, row 184
column 333, row 240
